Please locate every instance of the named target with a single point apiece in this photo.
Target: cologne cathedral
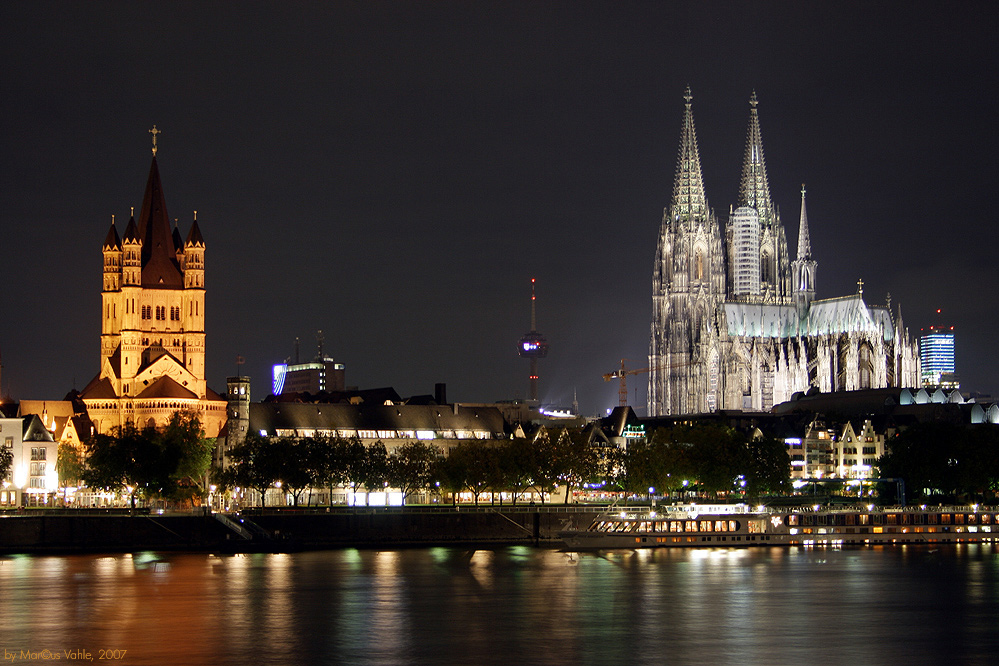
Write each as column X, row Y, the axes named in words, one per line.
column 735, row 322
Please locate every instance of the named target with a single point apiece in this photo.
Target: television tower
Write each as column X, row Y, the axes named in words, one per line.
column 533, row 346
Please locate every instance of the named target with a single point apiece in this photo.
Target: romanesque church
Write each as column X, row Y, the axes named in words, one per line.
column 735, row 322
column 152, row 323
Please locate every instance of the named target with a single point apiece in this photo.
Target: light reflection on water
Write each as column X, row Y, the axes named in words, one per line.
column 514, row 605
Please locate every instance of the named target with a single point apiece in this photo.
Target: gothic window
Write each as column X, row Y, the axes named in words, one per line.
column 699, row 265
column 767, row 386
column 865, row 367
column 713, row 382
column 766, row 268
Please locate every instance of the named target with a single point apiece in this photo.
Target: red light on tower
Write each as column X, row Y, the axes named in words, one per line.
column 533, row 345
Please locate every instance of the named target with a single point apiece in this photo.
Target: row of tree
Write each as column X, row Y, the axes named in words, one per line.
column 706, row 458
column 709, row 458
column 476, row 466
column 946, row 461
column 171, row 463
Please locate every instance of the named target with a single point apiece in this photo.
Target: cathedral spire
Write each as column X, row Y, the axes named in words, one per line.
column 804, row 244
column 754, row 190
column 689, row 201
column 803, row 268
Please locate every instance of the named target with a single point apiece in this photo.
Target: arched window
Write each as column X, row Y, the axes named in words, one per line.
column 766, row 267
column 865, row 367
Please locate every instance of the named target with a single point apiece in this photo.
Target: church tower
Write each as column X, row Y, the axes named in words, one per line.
column 688, row 284
column 803, row 268
column 754, row 197
column 152, row 322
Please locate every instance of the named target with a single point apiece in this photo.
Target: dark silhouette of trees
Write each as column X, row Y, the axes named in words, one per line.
column 944, row 460
column 411, row 467
column 171, row 463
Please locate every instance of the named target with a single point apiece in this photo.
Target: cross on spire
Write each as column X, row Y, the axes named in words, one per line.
column 154, row 132
column 860, row 287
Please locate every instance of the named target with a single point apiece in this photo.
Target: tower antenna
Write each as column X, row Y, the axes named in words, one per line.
column 533, row 345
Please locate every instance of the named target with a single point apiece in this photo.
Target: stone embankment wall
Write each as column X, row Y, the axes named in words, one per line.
column 71, row 531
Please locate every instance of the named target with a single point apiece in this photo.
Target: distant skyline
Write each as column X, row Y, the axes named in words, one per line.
column 395, row 173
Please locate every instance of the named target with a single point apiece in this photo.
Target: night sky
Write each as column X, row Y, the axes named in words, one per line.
column 395, row 173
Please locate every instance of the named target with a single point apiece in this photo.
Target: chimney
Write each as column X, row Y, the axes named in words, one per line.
column 440, row 393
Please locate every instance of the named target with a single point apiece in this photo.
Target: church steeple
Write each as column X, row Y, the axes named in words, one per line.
column 804, row 244
column 803, row 268
column 754, row 189
column 689, row 201
column 159, row 257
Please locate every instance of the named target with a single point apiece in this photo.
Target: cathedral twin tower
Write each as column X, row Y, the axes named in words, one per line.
column 735, row 323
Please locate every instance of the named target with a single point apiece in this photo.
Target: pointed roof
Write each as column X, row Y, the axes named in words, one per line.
column 131, row 232
column 754, row 190
column 178, row 244
column 194, row 237
column 689, row 199
column 804, row 244
column 159, row 258
column 112, row 241
column 166, row 387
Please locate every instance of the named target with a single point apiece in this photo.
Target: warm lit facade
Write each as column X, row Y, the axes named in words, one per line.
column 152, row 323
column 32, row 480
column 736, row 325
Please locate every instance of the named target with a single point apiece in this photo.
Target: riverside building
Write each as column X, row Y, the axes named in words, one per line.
column 736, row 324
column 152, row 322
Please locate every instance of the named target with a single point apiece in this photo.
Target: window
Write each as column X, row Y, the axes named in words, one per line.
column 38, row 453
column 160, row 313
column 174, row 313
column 147, row 312
column 37, row 469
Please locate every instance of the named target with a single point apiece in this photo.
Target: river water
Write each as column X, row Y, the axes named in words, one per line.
column 515, row 605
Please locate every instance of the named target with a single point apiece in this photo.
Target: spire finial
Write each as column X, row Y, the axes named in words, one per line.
column 154, row 132
column 195, row 216
column 802, row 190
column 752, row 100
column 860, row 287
column 112, row 219
column 131, row 211
column 687, row 96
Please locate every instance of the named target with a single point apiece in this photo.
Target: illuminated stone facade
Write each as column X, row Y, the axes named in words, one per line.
column 735, row 322
column 152, row 324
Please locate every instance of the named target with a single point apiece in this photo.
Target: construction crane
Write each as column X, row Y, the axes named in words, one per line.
column 622, row 374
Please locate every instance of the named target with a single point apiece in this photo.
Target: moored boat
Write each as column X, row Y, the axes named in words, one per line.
column 740, row 525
